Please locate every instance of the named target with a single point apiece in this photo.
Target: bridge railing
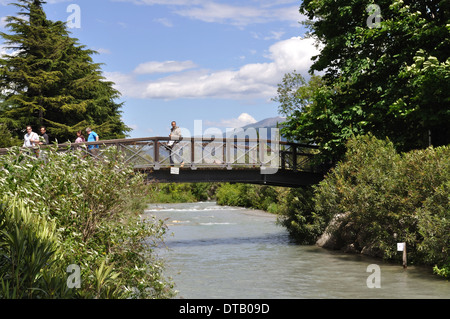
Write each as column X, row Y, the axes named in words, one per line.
column 198, row 152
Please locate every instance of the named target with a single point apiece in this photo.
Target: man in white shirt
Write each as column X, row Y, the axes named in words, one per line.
column 31, row 138
column 175, row 135
column 175, row 131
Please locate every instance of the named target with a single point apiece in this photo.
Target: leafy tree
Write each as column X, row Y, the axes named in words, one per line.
column 310, row 115
column 391, row 78
column 51, row 80
column 294, row 93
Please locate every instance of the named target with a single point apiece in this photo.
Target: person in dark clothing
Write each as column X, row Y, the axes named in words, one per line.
column 45, row 140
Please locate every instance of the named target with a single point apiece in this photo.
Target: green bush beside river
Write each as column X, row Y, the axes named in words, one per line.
column 64, row 212
column 376, row 198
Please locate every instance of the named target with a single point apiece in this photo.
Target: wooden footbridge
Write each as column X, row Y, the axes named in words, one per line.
column 192, row 159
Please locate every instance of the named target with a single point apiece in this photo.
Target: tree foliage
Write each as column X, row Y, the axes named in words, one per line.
column 391, row 79
column 51, row 80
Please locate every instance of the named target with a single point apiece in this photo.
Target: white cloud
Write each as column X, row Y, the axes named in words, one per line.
column 165, row 22
column 162, row 2
column 4, row 50
column 56, row 1
column 164, row 67
column 103, row 51
column 239, row 15
column 251, row 81
column 274, row 35
column 3, row 22
column 240, row 121
column 215, row 12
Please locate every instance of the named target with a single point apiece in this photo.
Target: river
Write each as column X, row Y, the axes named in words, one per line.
column 230, row 252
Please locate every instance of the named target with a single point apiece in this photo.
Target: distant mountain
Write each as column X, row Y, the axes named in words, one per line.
column 269, row 122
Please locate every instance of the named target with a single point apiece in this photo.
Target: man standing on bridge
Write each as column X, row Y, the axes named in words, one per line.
column 175, row 135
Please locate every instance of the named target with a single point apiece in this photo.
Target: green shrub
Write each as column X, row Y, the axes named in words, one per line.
column 249, row 195
column 443, row 271
column 297, row 214
column 234, row 195
column 359, row 189
column 384, row 197
column 434, row 227
column 378, row 198
column 7, row 140
column 28, row 254
column 180, row 192
column 95, row 205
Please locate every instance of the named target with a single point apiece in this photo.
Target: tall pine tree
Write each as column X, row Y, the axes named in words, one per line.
column 50, row 79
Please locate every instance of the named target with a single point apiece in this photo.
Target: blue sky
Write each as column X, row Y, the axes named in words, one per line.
column 185, row 60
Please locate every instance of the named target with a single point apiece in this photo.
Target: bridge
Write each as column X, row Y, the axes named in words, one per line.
column 199, row 159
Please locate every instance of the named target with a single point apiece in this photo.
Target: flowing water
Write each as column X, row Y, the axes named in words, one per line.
column 228, row 252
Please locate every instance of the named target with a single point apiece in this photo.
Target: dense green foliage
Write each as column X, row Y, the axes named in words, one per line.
column 28, row 246
column 299, row 216
column 248, row 195
column 390, row 79
column 180, row 192
column 67, row 209
column 50, row 80
column 383, row 197
column 377, row 198
column 7, row 139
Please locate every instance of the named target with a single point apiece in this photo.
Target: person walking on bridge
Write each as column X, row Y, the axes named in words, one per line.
column 45, row 140
column 30, row 138
column 92, row 137
column 80, row 137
